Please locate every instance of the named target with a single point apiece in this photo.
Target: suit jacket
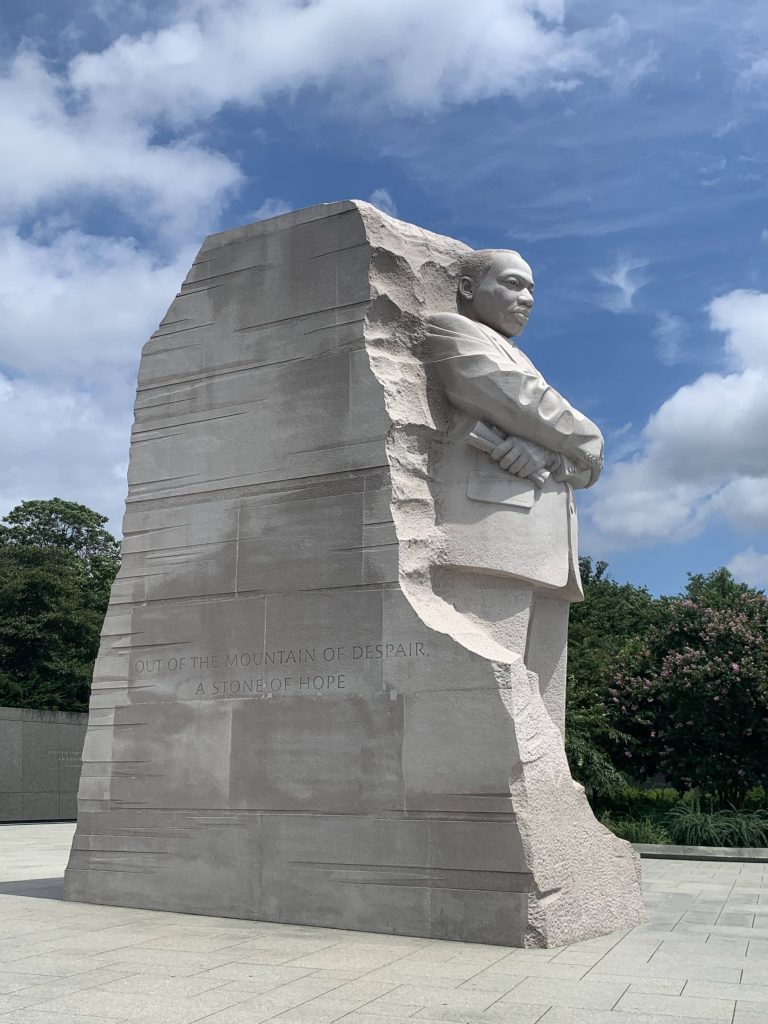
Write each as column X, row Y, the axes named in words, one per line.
column 493, row 521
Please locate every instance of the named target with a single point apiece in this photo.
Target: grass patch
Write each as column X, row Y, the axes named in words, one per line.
column 689, row 825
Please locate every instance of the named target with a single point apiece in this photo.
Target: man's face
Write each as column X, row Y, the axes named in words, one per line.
column 504, row 298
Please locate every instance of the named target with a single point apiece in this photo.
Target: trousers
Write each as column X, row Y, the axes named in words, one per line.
column 529, row 621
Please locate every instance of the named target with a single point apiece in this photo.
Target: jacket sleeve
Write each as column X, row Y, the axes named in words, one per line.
column 478, row 380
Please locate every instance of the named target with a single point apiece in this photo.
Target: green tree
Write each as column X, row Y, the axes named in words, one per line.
column 57, row 564
column 693, row 691
column 611, row 616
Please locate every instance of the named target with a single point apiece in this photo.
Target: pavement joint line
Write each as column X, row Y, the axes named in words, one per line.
column 621, row 996
column 516, row 985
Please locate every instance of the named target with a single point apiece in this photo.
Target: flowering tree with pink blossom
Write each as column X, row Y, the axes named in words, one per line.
column 692, row 694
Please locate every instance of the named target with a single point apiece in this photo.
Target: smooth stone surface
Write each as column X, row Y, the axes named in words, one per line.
column 39, row 764
column 303, row 709
column 70, row 963
column 672, row 852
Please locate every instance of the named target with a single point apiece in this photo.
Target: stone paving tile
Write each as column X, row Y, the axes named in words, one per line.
column 286, row 953
column 140, row 956
column 268, row 1007
column 19, row 982
column 600, row 994
column 680, row 1007
column 748, row 1013
column 147, row 1008
column 346, row 955
column 61, row 966
column 421, row 996
column 653, row 986
column 450, row 974
column 498, row 983
column 508, row 1015
column 369, row 1018
column 558, row 1015
column 37, row 992
column 744, row 993
column 578, row 958
column 755, row 973
column 38, row 1017
column 318, row 1011
column 702, row 957
column 381, row 1015
column 666, row 967
column 758, row 950
column 540, row 969
column 262, row 976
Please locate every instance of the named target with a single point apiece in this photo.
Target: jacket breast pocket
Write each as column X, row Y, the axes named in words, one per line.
column 498, row 487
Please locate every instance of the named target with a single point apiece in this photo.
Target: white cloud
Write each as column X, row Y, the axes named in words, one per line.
column 419, row 55
column 751, row 567
column 670, row 332
column 269, row 208
column 382, row 200
column 58, row 441
column 80, row 304
column 58, row 148
column 622, row 282
column 75, row 312
column 704, row 453
column 743, row 316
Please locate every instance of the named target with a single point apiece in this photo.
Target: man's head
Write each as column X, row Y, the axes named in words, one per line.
column 496, row 289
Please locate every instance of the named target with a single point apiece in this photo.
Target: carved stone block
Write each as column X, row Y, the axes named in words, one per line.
column 312, row 702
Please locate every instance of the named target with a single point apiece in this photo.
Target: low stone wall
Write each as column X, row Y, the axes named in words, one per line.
column 40, row 759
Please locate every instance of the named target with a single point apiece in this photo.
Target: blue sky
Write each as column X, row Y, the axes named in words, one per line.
column 621, row 147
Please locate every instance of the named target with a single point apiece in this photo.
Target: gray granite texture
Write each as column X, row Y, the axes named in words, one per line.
column 39, row 764
column 288, row 721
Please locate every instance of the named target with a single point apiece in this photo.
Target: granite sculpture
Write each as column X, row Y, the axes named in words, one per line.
column 330, row 684
column 538, row 447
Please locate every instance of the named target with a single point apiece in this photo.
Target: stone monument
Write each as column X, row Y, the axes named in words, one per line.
column 330, row 688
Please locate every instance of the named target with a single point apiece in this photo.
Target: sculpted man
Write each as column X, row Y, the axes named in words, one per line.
column 515, row 450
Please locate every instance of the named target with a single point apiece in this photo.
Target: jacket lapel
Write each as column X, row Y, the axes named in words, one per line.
column 509, row 350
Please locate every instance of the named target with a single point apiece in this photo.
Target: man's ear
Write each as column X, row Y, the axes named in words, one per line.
column 466, row 288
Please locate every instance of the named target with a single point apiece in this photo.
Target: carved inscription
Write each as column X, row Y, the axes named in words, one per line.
column 67, row 758
column 256, row 673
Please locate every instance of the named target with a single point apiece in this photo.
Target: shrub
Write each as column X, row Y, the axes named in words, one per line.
column 693, row 693
column 636, row 830
column 636, row 803
column 588, row 734
column 609, row 616
column 756, row 799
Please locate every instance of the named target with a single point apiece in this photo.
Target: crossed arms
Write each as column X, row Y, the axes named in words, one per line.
column 540, row 430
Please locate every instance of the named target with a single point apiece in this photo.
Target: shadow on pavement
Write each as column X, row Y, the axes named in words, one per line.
column 37, row 888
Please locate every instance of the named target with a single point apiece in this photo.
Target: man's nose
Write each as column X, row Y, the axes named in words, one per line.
column 525, row 298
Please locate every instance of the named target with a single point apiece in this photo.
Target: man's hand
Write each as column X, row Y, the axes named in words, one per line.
column 523, row 458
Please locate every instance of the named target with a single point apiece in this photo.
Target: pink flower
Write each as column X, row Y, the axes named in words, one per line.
column 734, row 667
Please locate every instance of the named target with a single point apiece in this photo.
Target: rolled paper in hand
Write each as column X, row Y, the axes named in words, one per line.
column 485, row 438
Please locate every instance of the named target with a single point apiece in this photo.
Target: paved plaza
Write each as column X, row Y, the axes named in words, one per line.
column 701, row 959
